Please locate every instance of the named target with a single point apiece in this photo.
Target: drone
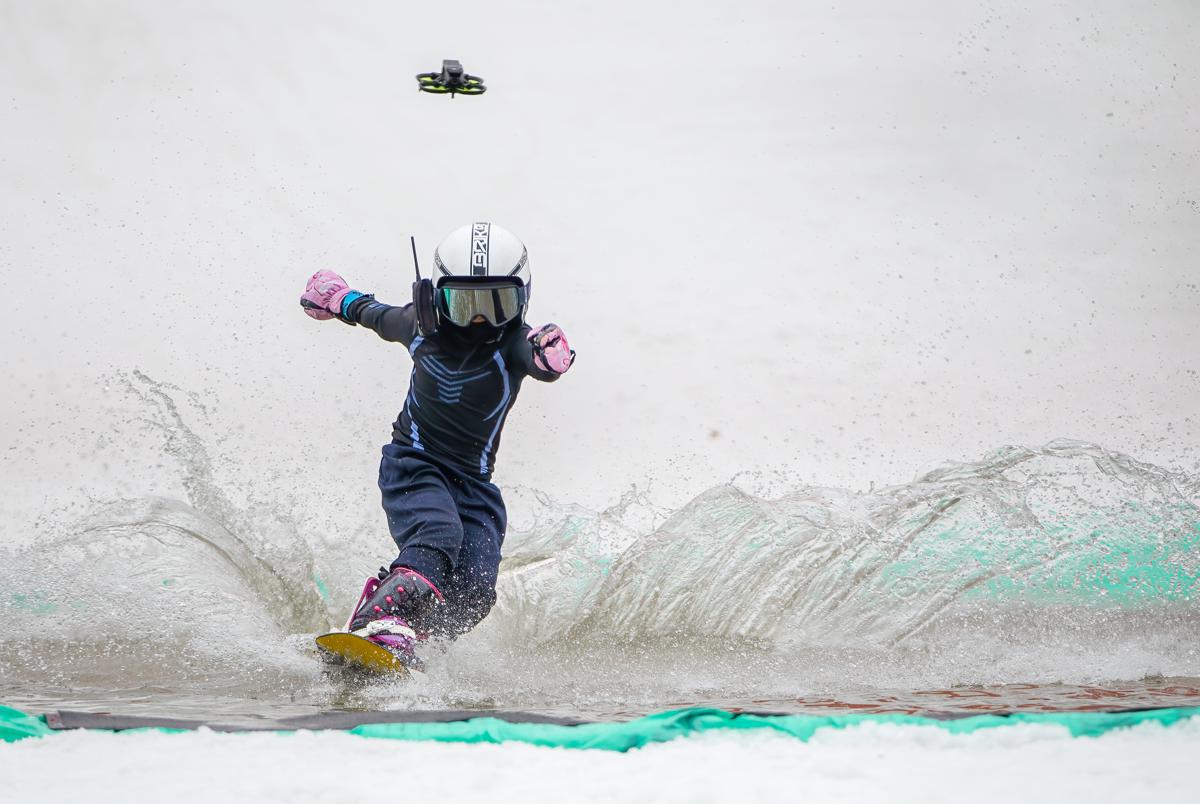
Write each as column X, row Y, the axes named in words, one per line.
column 452, row 80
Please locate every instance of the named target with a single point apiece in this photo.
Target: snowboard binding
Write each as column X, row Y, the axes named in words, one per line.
column 452, row 80
column 386, row 625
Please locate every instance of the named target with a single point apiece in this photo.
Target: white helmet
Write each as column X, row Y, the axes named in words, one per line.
column 481, row 270
column 481, row 249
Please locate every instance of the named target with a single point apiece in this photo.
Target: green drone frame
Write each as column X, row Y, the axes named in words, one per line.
column 452, row 80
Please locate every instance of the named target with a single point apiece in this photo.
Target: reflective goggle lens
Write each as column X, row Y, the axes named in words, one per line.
column 498, row 305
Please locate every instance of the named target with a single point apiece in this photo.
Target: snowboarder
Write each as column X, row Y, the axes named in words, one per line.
column 471, row 349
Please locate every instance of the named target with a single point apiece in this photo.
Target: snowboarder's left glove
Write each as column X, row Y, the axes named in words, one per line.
column 551, row 352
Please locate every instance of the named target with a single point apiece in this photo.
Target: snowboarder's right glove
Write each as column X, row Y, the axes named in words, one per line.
column 327, row 296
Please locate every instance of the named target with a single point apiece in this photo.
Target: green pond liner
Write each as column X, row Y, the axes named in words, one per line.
column 16, row 725
column 471, row 727
column 666, row 726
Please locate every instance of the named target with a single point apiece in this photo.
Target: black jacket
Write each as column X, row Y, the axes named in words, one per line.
column 461, row 388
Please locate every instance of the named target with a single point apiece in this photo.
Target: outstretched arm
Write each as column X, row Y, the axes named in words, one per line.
column 328, row 296
column 390, row 323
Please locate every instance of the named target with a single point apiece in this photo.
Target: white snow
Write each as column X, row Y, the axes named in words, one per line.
column 1027, row 763
column 841, row 240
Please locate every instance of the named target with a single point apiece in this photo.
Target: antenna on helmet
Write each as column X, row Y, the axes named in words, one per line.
column 422, row 290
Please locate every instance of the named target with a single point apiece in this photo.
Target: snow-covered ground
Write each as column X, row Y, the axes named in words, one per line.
column 1028, row 763
column 844, row 241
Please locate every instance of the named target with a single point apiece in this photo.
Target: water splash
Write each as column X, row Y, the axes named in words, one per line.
column 158, row 583
column 1065, row 562
column 1059, row 561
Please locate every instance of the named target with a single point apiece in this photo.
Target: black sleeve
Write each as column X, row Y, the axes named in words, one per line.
column 390, row 323
column 520, row 356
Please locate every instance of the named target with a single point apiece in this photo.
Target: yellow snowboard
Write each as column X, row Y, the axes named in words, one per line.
column 362, row 653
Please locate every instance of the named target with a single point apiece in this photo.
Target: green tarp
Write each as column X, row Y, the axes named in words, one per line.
column 16, row 725
column 664, row 726
column 669, row 725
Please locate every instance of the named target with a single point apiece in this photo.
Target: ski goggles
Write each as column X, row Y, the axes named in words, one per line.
column 499, row 301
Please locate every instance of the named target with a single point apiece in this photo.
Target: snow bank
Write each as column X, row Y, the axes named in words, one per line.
column 1030, row 763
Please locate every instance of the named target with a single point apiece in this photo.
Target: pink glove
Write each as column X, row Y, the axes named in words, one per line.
column 551, row 352
column 323, row 297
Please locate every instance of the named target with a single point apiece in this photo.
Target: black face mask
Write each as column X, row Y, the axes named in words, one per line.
column 472, row 334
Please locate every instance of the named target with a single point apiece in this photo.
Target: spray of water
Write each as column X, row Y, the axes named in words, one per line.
column 1061, row 563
